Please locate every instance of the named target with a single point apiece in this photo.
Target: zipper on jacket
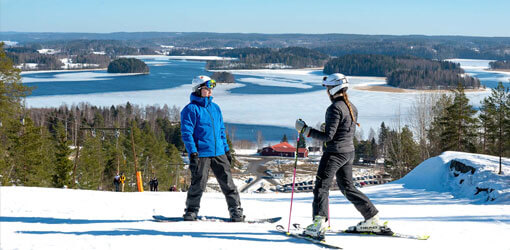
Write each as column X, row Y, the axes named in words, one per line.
column 214, row 130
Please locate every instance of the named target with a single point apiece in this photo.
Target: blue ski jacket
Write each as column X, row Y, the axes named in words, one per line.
column 202, row 127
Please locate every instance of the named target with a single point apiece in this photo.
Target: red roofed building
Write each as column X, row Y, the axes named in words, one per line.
column 283, row 149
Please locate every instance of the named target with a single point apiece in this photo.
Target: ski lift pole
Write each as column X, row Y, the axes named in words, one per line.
column 293, row 179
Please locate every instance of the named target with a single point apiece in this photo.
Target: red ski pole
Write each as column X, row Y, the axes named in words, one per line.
column 293, row 180
column 329, row 221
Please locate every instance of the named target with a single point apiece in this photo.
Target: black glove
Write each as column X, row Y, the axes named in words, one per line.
column 193, row 159
column 229, row 157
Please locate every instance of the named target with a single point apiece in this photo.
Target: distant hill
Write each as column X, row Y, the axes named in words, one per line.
column 128, row 65
column 431, row 47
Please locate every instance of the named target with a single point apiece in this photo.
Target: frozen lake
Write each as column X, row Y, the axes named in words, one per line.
column 273, row 98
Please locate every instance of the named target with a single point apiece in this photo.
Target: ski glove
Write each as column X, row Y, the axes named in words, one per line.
column 193, row 159
column 302, row 127
column 229, row 157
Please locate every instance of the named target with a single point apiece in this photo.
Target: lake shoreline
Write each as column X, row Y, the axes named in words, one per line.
column 390, row 89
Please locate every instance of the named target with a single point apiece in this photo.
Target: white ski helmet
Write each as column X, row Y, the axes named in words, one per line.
column 200, row 81
column 336, row 81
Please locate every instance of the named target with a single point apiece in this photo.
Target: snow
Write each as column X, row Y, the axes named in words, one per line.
column 423, row 202
column 68, row 64
column 48, row 51
column 434, row 175
column 27, row 66
column 76, row 76
column 9, row 43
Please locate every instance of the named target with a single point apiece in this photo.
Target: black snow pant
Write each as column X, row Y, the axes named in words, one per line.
column 339, row 164
column 199, row 174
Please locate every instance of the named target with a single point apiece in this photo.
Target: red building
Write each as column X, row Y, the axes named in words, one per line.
column 283, row 149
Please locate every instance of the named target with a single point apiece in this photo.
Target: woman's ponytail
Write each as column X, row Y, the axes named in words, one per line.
column 346, row 100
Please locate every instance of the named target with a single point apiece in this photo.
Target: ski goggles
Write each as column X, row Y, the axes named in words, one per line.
column 209, row 84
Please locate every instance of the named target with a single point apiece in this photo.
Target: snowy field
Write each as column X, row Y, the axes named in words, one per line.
column 266, row 109
column 426, row 201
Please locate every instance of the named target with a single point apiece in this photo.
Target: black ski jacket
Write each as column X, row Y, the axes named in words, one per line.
column 340, row 128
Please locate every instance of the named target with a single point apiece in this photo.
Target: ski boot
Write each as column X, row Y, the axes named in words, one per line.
column 317, row 229
column 371, row 225
column 190, row 214
column 236, row 214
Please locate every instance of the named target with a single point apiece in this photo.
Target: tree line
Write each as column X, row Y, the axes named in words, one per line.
column 78, row 51
column 501, row 64
column 403, row 71
column 223, row 77
column 423, row 47
column 256, row 58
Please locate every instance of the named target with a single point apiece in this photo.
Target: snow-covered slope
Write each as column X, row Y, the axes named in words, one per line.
column 423, row 202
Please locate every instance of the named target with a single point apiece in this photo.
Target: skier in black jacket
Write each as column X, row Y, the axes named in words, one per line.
column 337, row 159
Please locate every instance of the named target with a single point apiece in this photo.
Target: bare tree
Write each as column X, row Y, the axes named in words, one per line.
column 420, row 117
column 260, row 139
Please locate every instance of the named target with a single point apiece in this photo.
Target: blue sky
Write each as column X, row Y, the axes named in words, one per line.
column 398, row 17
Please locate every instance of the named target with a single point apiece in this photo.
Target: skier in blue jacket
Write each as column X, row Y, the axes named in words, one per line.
column 203, row 134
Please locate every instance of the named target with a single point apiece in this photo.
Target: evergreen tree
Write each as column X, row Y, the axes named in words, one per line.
column 459, row 124
column 495, row 117
column 374, row 152
column 12, row 91
column 27, row 154
column 383, row 136
column 155, row 159
column 403, row 154
column 63, row 166
column 284, row 139
column 91, row 164
column 437, row 126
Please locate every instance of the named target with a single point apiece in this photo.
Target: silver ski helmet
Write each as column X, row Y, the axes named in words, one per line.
column 335, row 82
column 202, row 81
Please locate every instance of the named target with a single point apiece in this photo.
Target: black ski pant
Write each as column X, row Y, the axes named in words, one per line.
column 199, row 174
column 339, row 164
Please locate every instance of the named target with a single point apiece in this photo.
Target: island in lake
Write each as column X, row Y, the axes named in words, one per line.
column 128, row 65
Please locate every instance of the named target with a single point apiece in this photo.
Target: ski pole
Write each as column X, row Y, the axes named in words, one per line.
column 329, row 221
column 293, row 180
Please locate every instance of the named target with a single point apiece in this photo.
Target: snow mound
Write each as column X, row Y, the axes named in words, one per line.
column 469, row 176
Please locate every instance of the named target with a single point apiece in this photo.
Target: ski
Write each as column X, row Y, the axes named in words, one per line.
column 161, row 218
column 387, row 233
column 299, row 235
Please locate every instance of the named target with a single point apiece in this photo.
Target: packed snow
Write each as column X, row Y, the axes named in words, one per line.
column 426, row 201
column 68, row 64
